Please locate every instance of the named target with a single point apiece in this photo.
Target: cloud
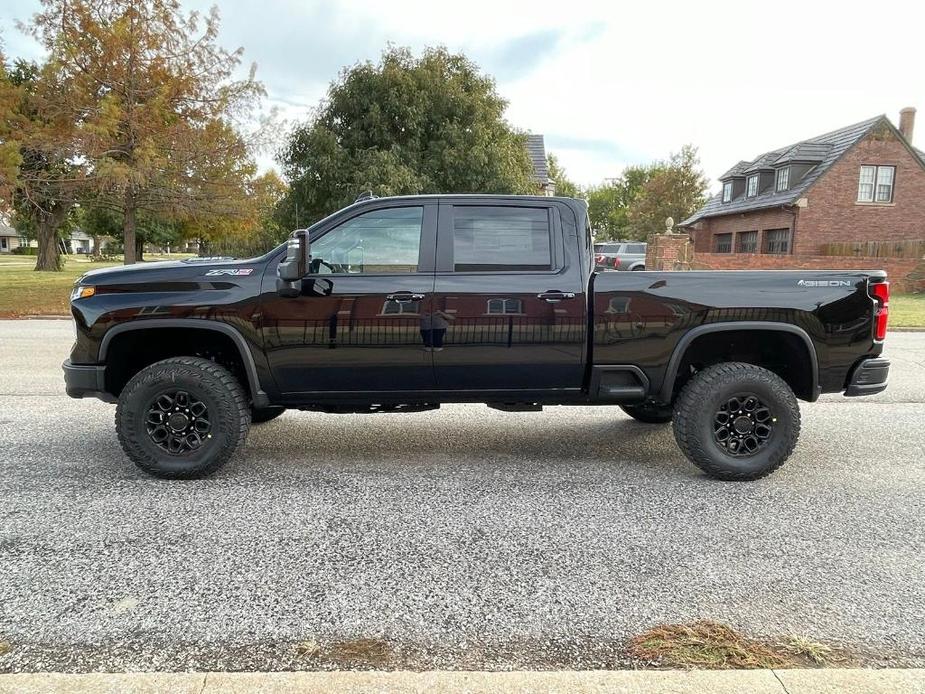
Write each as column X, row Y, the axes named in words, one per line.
column 609, row 84
column 520, row 56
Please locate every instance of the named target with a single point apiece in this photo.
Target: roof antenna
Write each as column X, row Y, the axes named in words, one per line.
column 368, row 195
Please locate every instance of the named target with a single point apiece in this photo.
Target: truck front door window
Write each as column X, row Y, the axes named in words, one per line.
column 381, row 241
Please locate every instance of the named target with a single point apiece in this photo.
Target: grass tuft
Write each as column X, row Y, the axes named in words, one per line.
column 707, row 645
column 812, row 651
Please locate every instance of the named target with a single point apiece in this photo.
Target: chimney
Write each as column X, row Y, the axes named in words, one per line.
column 907, row 122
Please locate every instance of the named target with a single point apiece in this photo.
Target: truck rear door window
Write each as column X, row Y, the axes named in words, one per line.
column 501, row 239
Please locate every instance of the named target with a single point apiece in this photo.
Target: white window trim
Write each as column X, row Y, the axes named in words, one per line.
column 782, row 174
column 875, row 184
column 748, row 186
column 727, row 188
column 519, row 305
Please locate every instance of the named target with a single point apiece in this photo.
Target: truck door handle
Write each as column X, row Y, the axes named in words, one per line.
column 555, row 296
column 404, row 297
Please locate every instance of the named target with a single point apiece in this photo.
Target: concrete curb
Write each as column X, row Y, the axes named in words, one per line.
column 832, row 681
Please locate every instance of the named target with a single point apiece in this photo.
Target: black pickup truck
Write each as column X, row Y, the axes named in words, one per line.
column 401, row 304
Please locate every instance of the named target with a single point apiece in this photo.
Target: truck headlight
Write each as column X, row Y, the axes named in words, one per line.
column 82, row 291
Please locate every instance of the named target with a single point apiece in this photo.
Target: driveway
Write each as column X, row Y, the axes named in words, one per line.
column 459, row 538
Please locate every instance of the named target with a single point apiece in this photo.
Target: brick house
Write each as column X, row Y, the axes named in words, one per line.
column 859, row 184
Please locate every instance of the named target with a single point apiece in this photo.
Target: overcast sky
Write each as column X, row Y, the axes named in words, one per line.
column 608, row 83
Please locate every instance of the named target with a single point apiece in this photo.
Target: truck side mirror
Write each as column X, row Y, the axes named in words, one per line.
column 295, row 266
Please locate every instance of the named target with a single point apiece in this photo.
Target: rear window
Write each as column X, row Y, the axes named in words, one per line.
column 607, row 248
column 498, row 239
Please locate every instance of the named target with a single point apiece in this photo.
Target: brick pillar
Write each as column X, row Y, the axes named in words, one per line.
column 670, row 251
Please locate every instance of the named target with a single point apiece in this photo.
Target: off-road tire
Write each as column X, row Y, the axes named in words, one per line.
column 228, row 413
column 649, row 413
column 704, row 395
column 265, row 414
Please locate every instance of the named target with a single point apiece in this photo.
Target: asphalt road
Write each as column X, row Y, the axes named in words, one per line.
column 464, row 537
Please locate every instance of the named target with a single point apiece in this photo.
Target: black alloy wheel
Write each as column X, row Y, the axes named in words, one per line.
column 178, row 422
column 743, row 425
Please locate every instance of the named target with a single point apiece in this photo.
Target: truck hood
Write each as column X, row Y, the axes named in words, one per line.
column 167, row 270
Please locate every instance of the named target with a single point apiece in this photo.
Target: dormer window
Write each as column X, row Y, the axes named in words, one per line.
column 752, row 186
column 783, row 179
column 727, row 191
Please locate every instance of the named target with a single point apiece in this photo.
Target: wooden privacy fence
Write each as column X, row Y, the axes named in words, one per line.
column 876, row 249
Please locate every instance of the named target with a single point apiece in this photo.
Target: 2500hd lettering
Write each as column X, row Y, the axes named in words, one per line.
column 402, row 304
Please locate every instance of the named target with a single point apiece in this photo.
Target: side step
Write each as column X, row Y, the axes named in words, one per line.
column 334, row 408
column 618, row 384
column 516, row 406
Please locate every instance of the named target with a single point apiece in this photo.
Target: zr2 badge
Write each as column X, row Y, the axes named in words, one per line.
column 234, row 272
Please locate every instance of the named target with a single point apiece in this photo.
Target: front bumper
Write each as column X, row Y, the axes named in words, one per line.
column 869, row 377
column 86, row 381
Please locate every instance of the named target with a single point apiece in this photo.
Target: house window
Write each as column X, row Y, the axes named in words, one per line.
column 783, row 178
column 747, row 242
column 777, row 241
column 727, row 191
column 875, row 184
column 722, row 243
column 3, row 243
column 619, row 304
column 397, row 308
column 752, row 186
column 498, row 307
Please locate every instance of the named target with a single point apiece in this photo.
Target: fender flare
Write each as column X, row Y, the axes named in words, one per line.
column 674, row 362
column 258, row 396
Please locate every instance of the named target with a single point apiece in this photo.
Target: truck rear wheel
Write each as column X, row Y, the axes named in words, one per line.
column 737, row 421
column 182, row 418
column 649, row 413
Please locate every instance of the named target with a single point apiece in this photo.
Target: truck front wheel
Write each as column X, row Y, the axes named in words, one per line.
column 182, row 418
column 737, row 421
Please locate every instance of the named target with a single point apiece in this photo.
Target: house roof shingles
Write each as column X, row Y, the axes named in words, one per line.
column 826, row 149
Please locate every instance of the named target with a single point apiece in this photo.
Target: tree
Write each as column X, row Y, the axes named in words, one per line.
column 564, row 186
column 406, row 125
column 39, row 171
column 157, row 105
column 609, row 202
column 676, row 189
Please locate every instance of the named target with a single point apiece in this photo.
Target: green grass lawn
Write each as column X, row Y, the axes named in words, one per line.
column 907, row 311
column 25, row 292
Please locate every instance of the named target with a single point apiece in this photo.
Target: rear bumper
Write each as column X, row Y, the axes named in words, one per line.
column 869, row 377
column 85, row 381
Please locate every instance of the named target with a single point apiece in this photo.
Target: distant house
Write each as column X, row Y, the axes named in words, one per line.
column 80, row 242
column 10, row 239
column 536, row 147
column 862, row 183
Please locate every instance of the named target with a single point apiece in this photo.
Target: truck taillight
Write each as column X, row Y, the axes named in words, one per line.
column 881, row 294
column 616, row 262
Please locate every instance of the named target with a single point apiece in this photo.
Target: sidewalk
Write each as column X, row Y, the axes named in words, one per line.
column 568, row 682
